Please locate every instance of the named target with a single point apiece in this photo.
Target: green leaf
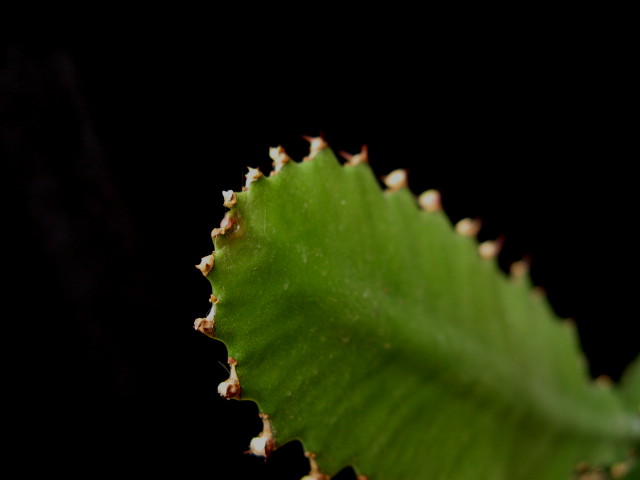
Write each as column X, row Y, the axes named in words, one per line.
column 631, row 385
column 375, row 334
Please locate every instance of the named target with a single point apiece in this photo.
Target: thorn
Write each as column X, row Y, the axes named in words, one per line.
column 253, row 175
column 582, row 467
column 226, row 224
column 230, row 388
column 317, row 144
column 279, row 157
column 539, row 292
column 604, row 381
column 206, row 264
column 206, row 325
column 468, row 227
column 264, row 443
column 430, row 201
column 490, row 249
column 588, row 472
column 229, row 198
column 620, row 469
column 314, row 471
column 395, row 180
column 519, row 269
column 213, row 299
column 596, row 474
column 569, row 323
column 362, row 157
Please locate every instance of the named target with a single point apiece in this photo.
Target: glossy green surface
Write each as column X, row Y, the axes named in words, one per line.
column 377, row 336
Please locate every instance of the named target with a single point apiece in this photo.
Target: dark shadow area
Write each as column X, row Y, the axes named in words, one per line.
column 345, row 474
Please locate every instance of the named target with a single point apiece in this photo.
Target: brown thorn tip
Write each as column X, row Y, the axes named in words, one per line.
column 539, row 292
column 317, row 144
column 213, row 299
column 205, row 325
column 468, row 227
column 279, row 157
column 519, row 269
column 314, row 471
column 620, row 469
column 352, row 160
column 604, row 381
column 491, row 248
column 230, row 388
column 226, row 224
column 396, row 180
column 264, row 443
column 430, row 201
column 206, row 264
column 253, row 175
column 582, row 467
column 229, row 198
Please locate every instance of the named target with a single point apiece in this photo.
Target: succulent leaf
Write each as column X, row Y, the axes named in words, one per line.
column 631, row 385
column 373, row 332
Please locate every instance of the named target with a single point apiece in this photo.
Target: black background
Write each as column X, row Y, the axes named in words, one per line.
column 117, row 155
